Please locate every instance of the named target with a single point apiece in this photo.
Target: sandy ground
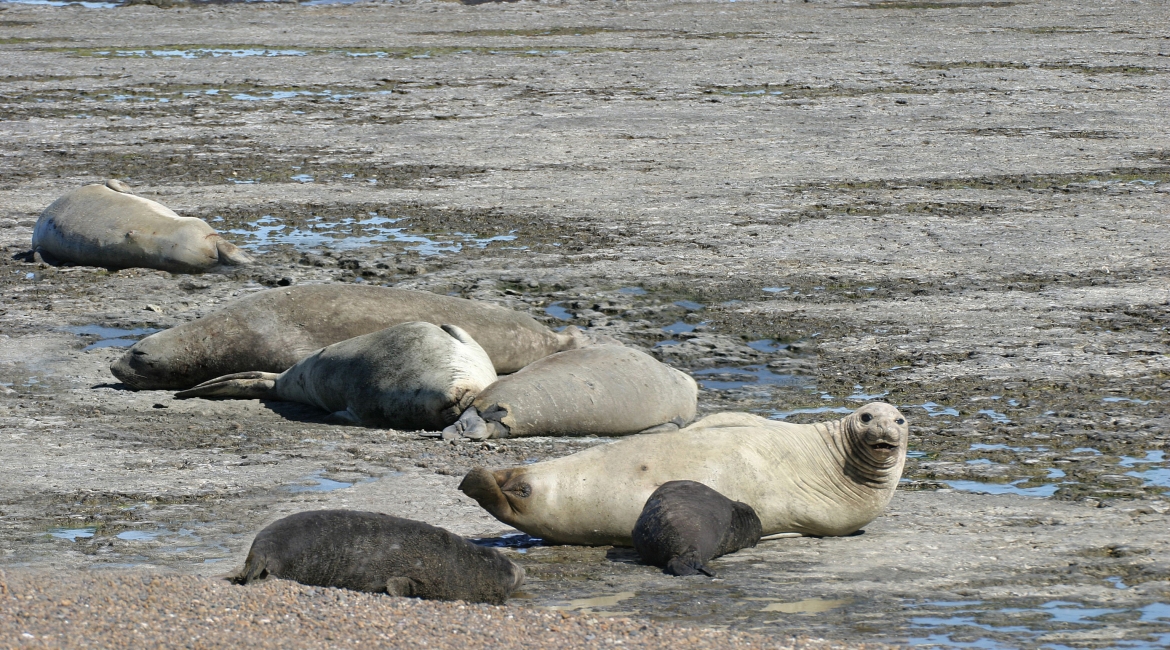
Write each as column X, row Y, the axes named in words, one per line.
column 958, row 207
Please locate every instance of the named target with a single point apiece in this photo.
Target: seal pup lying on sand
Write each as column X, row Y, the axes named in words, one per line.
column 685, row 524
column 829, row 478
column 603, row 390
column 271, row 330
column 370, row 551
column 410, row 376
column 106, row 225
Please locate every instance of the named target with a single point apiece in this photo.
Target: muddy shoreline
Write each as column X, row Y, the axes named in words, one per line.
column 958, row 207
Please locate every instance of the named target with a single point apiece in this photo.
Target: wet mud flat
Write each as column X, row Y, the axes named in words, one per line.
column 957, row 207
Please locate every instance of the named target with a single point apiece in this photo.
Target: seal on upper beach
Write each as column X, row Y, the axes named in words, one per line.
column 685, row 524
column 374, row 552
column 410, row 376
column 106, row 225
column 271, row 330
column 604, row 390
column 829, row 478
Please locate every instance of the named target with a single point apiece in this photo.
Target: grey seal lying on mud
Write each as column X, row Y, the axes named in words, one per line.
column 106, row 225
column 271, row 330
column 370, row 551
column 685, row 524
column 604, row 390
column 409, row 376
column 829, row 478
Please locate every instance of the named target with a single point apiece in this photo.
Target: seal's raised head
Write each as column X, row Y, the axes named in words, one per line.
column 876, row 435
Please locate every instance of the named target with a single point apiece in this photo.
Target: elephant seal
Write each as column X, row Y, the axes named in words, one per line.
column 409, row 376
column 685, row 524
column 604, row 390
column 106, row 225
column 370, row 551
column 271, row 330
column 829, row 478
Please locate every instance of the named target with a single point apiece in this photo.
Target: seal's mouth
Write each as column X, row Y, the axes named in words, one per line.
column 884, row 446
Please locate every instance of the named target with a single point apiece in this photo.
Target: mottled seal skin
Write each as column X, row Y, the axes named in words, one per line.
column 370, row 551
column 106, row 225
column 604, row 390
column 409, row 376
column 829, row 478
column 271, row 330
column 685, row 524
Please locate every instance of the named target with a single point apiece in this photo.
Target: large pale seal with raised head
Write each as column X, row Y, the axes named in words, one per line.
column 829, row 478
column 106, row 225
column 603, row 390
column 410, row 376
column 370, row 551
column 271, row 330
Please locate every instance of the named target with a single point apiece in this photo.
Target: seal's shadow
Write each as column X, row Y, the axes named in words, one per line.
column 300, row 412
column 623, row 555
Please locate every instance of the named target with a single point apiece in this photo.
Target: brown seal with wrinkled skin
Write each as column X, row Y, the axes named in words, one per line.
column 685, row 524
column 271, row 330
column 106, row 225
column 410, row 376
column 829, row 478
column 370, row 551
column 603, row 390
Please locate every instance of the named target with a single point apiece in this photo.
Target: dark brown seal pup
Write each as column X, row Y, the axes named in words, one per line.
column 685, row 524
column 271, row 330
column 370, row 551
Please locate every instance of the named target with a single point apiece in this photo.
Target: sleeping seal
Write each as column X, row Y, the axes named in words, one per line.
column 106, row 225
column 684, row 524
column 410, row 376
column 271, row 330
column 370, row 551
column 829, row 478
column 604, row 390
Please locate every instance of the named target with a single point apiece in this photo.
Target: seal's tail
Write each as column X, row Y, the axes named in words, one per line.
column 241, row 385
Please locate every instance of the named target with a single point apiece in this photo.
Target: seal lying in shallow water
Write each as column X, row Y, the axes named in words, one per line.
column 370, row 551
column 604, row 390
column 271, row 330
column 106, row 225
column 685, row 524
column 410, row 376
column 829, row 478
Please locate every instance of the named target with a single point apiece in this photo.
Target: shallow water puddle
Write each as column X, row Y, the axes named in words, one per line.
column 781, row 415
column 351, row 233
column 979, row 487
column 588, row 604
column 72, row 534
column 110, row 337
column 730, row 378
column 315, row 482
column 810, row 606
column 983, row 625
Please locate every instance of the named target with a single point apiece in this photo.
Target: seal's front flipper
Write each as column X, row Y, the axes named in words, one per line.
column 400, row 586
column 231, row 254
column 660, row 428
column 687, row 564
column 241, row 385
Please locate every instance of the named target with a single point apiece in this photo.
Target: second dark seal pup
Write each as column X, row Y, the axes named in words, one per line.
column 370, row 551
column 685, row 524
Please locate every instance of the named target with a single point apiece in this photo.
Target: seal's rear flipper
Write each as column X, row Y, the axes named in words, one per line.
column 255, row 568
column 400, row 586
column 485, row 488
column 661, row 428
column 241, row 385
column 472, row 426
column 230, row 254
column 687, row 564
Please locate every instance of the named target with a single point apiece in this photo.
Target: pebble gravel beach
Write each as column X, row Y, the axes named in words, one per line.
column 141, row 609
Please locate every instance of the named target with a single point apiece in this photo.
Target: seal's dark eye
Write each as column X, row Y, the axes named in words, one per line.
column 866, row 417
column 899, row 421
